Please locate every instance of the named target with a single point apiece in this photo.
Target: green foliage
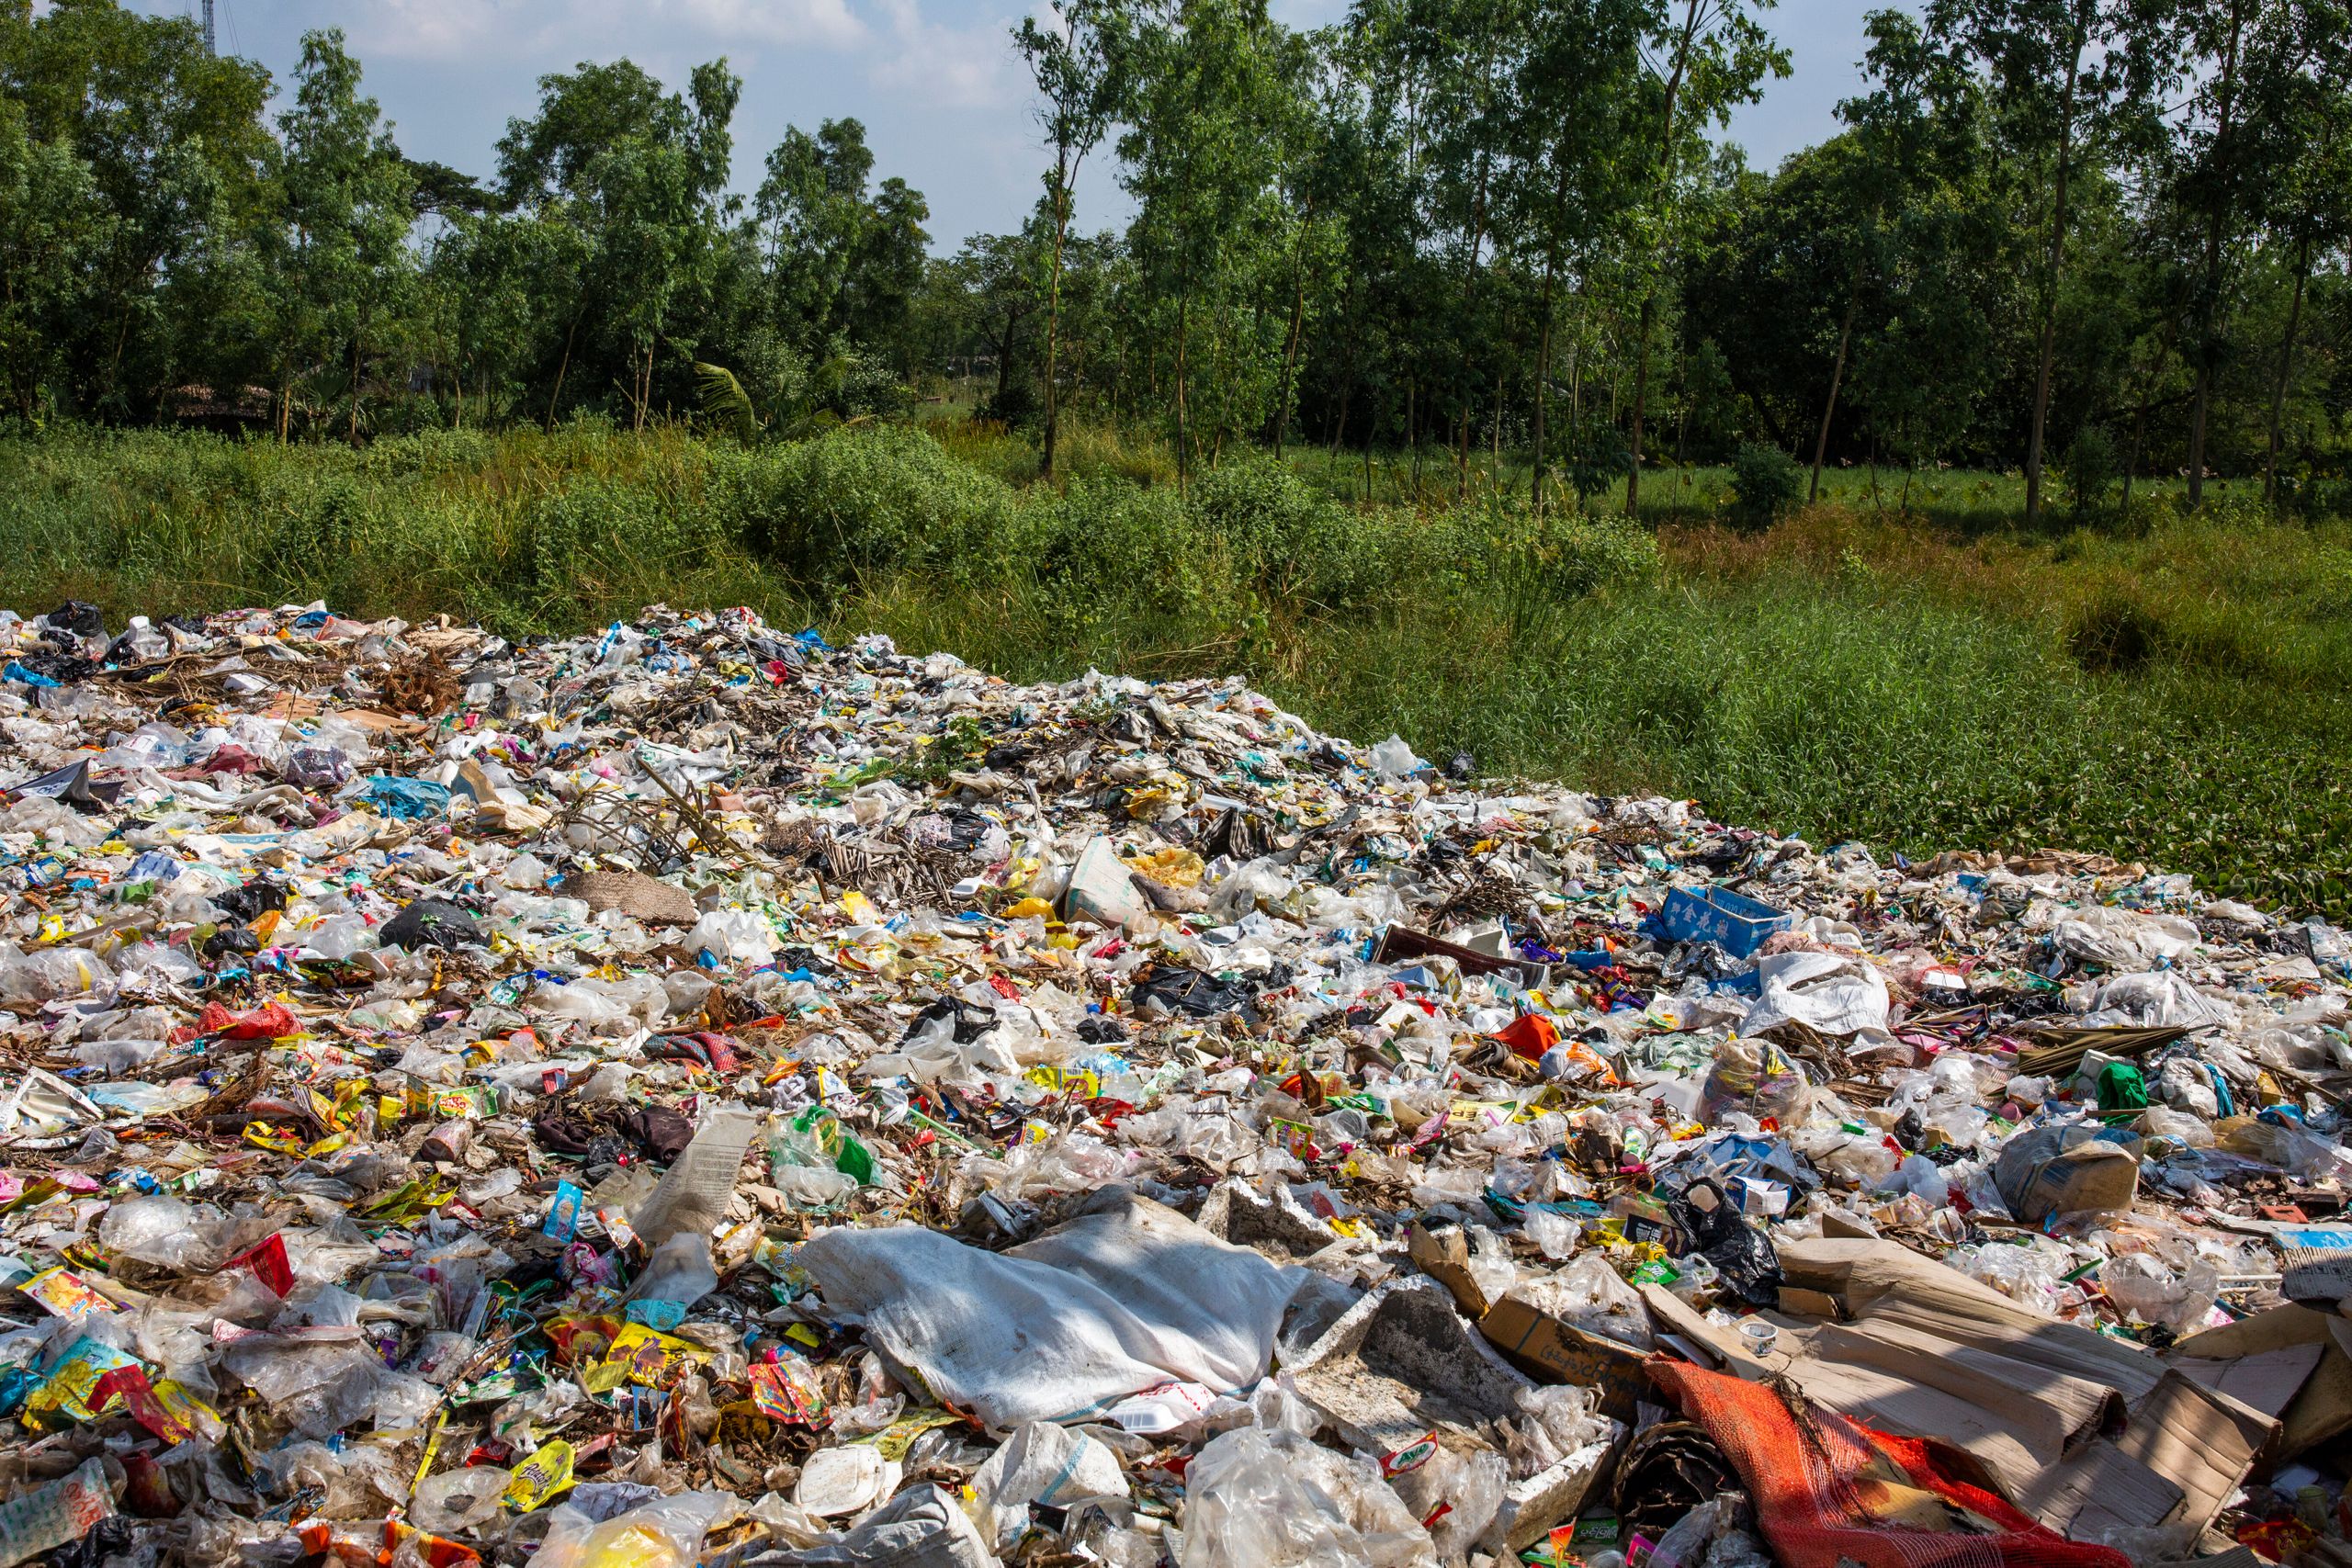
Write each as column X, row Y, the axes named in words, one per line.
column 854, row 501
column 1766, row 483
column 2094, row 470
column 1300, row 544
column 725, row 404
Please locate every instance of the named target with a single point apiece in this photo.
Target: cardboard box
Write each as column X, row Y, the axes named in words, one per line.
column 1552, row 1351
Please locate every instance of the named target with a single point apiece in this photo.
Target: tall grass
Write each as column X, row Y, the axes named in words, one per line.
column 2169, row 692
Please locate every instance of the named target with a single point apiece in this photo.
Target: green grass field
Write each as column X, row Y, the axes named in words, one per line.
column 2169, row 690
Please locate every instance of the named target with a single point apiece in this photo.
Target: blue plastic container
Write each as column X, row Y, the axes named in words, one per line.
column 1736, row 924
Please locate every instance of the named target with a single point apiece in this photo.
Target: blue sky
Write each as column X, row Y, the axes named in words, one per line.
column 945, row 104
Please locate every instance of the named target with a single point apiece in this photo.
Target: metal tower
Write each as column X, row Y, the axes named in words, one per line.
column 211, row 41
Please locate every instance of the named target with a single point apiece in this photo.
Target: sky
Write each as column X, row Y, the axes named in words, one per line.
column 947, row 104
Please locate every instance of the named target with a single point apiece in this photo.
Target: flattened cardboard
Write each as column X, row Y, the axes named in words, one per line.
column 2321, row 1408
column 1798, row 1302
column 1445, row 1255
column 1544, row 1346
column 2201, row 1440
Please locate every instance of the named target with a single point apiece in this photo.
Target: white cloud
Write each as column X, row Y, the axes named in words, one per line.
column 944, row 66
column 822, row 23
column 474, row 32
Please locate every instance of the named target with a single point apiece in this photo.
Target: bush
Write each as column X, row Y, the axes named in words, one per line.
column 1765, row 485
column 856, row 500
column 582, row 539
column 1105, row 540
column 1298, row 545
column 2093, row 470
column 1597, row 458
column 2114, row 634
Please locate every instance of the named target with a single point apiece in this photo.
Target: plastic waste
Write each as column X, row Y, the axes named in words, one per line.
column 472, row 1093
column 1256, row 1498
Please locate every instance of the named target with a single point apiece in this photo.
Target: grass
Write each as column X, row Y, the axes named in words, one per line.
column 2169, row 692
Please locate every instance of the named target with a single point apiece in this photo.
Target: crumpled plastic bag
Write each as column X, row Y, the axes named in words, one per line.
column 1255, row 1498
column 2067, row 1168
column 2119, row 937
column 1744, row 1255
column 1590, row 1295
column 1045, row 1464
column 1828, row 992
column 2157, row 1000
column 920, row 1527
column 1127, row 1295
column 1755, row 1076
column 2149, row 1291
column 666, row 1534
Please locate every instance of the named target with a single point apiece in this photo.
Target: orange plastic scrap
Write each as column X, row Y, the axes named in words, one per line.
column 1829, row 1490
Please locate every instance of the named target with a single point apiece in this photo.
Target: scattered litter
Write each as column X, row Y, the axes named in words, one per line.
column 693, row 1095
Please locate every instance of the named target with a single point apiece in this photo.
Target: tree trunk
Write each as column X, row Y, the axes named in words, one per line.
column 1641, row 397
column 2286, row 366
column 1413, row 433
column 1183, row 414
column 1469, row 294
column 1543, row 374
column 1829, row 410
column 1495, row 451
column 1649, row 295
column 562, row 365
column 2046, row 361
column 2216, row 222
column 1682, row 411
column 1297, row 329
column 2140, row 420
column 1065, row 171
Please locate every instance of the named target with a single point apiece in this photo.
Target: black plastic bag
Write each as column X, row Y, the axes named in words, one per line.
column 1718, row 1232
column 429, row 922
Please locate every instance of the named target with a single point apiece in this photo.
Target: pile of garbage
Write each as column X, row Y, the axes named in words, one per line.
column 696, row 1094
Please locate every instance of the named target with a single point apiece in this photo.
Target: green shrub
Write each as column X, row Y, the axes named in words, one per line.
column 1766, row 484
column 1108, row 540
column 316, row 532
column 856, row 500
column 2093, row 470
column 1297, row 543
column 2113, row 634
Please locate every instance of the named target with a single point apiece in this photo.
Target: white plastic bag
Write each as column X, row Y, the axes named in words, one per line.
column 1273, row 1499
column 735, row 937
column 1824, row 991
column 1046, row 1464
column 694, row 1191
column 1127, row 1296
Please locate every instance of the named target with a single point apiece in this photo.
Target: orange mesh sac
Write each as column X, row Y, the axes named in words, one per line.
column 1829, row 1489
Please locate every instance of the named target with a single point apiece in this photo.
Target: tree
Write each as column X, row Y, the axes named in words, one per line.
column 1073, row 60
column 889, row 265
column 2072, row 82
column 1910, row 133
column 1581, row 129
column 175, row 148
column 54, row 232
column 1716, row 55
column 640, row 176
column 1206, row 99
column 811, row 213
column 339, row 237
column 2312, row 211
